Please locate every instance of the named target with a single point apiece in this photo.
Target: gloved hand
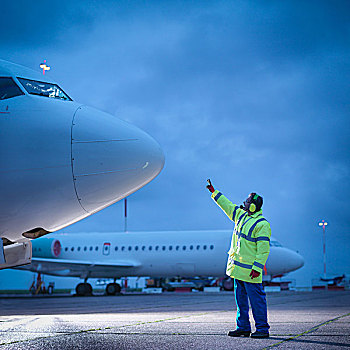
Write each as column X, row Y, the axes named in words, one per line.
column 254, row 274
column 210, row 186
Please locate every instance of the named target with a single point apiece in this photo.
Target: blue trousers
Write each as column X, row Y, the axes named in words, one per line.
column 257, row 298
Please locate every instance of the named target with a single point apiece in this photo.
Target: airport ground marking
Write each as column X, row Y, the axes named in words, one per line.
column 99, row 329
column 163, row 320
column 315, row 328
column 37, row 338
column 129, row 325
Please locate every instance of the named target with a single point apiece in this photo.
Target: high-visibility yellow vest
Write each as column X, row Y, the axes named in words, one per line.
column 250, row 244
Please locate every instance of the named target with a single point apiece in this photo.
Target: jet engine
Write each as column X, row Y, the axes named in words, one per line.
column 15, row 254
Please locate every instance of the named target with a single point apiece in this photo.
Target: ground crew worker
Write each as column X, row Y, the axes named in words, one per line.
column 250, row 247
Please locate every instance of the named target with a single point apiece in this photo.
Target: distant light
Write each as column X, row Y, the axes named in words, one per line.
column 322, row 223
column 44, row 67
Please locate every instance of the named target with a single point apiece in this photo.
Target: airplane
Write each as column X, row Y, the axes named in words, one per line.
column 162, row 254
column 61, row 160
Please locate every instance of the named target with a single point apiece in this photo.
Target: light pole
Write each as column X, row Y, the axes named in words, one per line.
column 323, row 224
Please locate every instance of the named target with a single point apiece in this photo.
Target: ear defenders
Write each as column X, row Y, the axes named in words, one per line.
column 252, row 206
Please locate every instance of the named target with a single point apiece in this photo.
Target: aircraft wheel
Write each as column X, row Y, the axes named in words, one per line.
column 227, row 283
column 113, row 289
column 50, row 290
column 83, row 289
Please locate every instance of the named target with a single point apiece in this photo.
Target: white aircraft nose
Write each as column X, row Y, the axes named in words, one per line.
column 283, row 260
column 110, row 158
column 297, row 261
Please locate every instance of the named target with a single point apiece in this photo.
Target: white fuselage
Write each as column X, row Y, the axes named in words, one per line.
column 182, row 253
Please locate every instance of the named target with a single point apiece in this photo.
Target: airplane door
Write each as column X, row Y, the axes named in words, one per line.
column 106, row 248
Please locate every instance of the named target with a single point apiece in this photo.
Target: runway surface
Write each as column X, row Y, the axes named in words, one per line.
column 308, row 320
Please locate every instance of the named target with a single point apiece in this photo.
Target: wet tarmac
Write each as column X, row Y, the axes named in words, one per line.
column 298, row 320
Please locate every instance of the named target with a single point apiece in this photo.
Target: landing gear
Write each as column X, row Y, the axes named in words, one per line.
column 227, row 283
column 113, row 288
column 83, row 289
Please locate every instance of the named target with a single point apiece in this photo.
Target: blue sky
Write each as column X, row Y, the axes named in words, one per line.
column 254, row 95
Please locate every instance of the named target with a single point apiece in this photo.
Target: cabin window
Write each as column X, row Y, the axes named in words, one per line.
column 78, row 249
column 150, row 247
column 136, row 248
column 129, row 248
column 157, row 247
column 143, row 247
column 123, row 248
column 191, row 247
column 204, row 247
column 164, row 247
column 8, row 88
column 177, row 247
column 184, row 247
column 96, row 248
column 198, row 247
column 211, row 247
column 85, row 249
column 66, row 249
column 41, row 88
column 116, row 248
column 72, row 249
column 91, row 248
column 170, row 247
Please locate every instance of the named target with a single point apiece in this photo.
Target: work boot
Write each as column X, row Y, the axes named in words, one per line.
column 259, row 335
column 238, row 333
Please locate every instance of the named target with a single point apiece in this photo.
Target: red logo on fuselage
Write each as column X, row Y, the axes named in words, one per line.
column 56, row 248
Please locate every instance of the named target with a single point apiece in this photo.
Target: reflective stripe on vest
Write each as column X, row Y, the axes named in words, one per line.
column 238, row 222
column 234, row 213
column 251, row 239
column 240, row 218
column 249, row 236
column 218, row 195
column 253, row 226
column 262, row 238
column 245, row 223
column 258, row 264
column 245, row 266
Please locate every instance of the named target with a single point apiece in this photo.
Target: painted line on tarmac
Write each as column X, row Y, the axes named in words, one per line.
column 99, row 329
column 306, row 332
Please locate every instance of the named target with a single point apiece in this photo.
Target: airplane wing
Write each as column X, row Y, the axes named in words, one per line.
column 78, row 268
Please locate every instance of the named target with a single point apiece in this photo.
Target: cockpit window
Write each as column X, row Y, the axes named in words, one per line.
column 44, row 89
column 275, row 244
column 8, row 88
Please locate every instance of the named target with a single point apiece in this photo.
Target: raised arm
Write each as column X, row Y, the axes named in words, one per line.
column 233, row 211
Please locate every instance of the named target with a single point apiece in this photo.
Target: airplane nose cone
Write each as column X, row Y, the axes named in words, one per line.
column 110, row 158
column 298, row 261
column 292, row 260
column 283, row 260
